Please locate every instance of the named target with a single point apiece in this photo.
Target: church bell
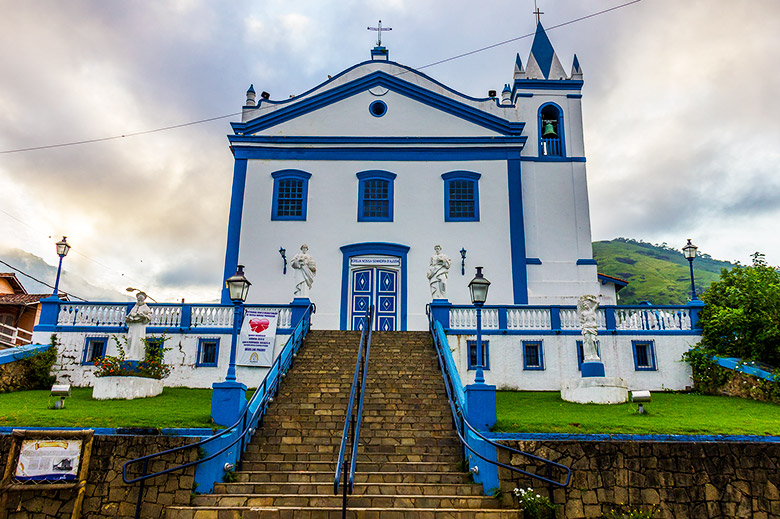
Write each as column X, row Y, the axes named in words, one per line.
column 549, row 130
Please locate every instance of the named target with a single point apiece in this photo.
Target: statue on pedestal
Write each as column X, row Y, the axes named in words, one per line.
column 140, row 315
column 586, row 314
column 305, row 270
column 438, row 272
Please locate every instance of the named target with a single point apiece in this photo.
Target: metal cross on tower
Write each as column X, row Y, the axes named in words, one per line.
column 538, row 13
column 379, row 30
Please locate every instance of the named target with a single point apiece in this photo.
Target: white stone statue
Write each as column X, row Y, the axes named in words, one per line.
column 438, row 272
column 140, row 315
column 305, row 270
column 586, row 314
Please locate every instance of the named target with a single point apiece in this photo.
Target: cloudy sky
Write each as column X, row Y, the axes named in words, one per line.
column 681, row 111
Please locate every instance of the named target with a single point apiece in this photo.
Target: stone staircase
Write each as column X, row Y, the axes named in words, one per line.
column 409, row 460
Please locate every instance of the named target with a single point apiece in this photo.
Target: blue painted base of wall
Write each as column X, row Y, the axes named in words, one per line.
column 228, row 401
column 592, row 369
column 481, row 405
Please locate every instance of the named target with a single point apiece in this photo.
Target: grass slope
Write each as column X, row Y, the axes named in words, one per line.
column 175, row 407
column 655, row 273
column 667, row 413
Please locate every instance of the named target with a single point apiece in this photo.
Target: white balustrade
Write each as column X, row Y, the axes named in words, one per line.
column 166, row 316
column 466, row 319
column 212, row 316
column 528, row 319
column 569, row 320
column 91, row 315
column 653, row 319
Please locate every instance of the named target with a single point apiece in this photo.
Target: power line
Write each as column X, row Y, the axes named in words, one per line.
column 41, row 282
column 201, row 121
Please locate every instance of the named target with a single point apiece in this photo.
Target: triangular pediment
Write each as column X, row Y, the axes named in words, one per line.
column 413, row 100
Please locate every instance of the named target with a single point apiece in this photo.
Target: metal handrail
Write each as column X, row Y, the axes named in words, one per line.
column 352, row 421
column 457, row 406
column 245, row 424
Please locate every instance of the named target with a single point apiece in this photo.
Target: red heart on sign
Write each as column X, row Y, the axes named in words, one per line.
column 258, row 325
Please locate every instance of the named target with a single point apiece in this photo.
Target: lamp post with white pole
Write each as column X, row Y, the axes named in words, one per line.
column 229, row 397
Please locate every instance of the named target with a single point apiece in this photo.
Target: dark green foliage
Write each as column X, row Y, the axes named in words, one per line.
column 742, row 316
column 656, row 273
column 708, row 376
column 37, row 369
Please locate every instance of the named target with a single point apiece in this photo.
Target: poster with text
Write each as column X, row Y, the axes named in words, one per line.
column 48, row 460
column 258, row 335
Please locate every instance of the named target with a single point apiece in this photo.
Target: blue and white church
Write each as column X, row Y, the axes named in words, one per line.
column 376, row 166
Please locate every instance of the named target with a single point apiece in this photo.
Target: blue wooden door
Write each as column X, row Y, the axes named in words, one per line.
column 378, row 287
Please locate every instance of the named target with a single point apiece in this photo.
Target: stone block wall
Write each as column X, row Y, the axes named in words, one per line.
column 12, row 376
column 684, row 479
column 106, row 494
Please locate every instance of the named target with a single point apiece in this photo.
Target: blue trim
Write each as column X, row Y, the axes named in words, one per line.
column 560, row 128
column 586, row 261
column 533, row 261
column 549, row 84
column 469, row 176
column 539, row 352
column 90, row 352
column 485, row 355
column 378, row 248
column 608, row 279
column 652, row 366
column 661, row 438
column 377, row 108
column 517, row 232
column 744, row 367
column 9, row 355
column 390, row 140
column 290, row 174
column 234, row 224
column 307, row 104
column 552, row 158
column 123, row 431
column 523, row 94
column 574, row 96
column 201, row 345
column 384, row 176
column 415, row 154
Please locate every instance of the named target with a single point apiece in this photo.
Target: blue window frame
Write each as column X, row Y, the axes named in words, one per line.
column 580, row 353
column 533, row 356
column 208, row 353
column 375, row 196
column 551, row 138
column 472, row 346
column 461, row 196
column 644, row 355
column 291, row 187
column 94, row 348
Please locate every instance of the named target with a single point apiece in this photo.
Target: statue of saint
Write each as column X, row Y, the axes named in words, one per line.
column 140, row 315
column 305, row 270
column 586, row 314
column 438, row 272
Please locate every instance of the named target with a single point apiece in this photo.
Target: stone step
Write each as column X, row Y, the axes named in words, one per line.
column 370, row 457
column 438, row 450
column 359, row 489
column 394, row 475
column 359, row 501
column 362, row 466
column 294, row 512
column 297, row 439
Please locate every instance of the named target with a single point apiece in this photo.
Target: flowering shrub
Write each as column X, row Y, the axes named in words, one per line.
column 151, row 366
column 534, row 505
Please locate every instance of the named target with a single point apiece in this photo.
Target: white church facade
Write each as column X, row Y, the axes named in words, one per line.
column 380, row 163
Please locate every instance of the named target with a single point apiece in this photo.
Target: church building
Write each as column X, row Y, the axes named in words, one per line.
column 381, row 163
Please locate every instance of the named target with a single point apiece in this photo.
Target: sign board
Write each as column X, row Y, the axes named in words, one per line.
column 48, row 460
column 258, row 335
column 386, row 261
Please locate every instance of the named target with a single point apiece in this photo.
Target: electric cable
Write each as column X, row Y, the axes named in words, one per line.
column 41, row 282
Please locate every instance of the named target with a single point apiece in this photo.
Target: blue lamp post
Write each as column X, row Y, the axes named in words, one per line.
column 229, row 397
column 62, row 251
column 478, row 287
column 689, row 251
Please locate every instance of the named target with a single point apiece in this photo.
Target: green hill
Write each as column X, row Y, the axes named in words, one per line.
column 655, row 273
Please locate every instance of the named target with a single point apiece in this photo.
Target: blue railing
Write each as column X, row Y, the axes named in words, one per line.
column 551, row 147
column 354, row 418
column 230, row 443
column 457, row 400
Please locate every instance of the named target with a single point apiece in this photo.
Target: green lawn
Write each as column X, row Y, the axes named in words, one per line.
column 175, row 407
column 667, row 413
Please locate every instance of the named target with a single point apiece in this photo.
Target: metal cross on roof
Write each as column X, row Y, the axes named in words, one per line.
column 379, row 29
column 538, row 13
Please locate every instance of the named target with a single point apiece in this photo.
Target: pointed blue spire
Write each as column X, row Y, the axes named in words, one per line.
column 251, row 89
column 576, row 71
column 543, row 63
column 518, row 62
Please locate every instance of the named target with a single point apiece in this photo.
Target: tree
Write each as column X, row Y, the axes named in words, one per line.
column 742, row 316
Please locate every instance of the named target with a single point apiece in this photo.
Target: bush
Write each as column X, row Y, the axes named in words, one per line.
column 151, row 366
column 534, row 505
column 742, row 313
column 37, row 369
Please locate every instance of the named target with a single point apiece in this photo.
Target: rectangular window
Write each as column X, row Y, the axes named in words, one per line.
column 208, row 352
column 376, row 199
column 533, row 355
column 290, row 201
column 472, row 346
column 581, row 355
column 94, row 348
column 644, row 355
column 461, row 199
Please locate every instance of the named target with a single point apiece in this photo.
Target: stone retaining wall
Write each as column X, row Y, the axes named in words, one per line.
column 12, row 376
column 106, row 494
column 685, row 479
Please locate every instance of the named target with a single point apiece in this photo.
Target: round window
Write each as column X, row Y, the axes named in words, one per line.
column 377, row 108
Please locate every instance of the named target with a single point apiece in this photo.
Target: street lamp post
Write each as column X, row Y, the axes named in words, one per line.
column 689, row 251
column 62, row 251
column 478, row 287
column 229, row 397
